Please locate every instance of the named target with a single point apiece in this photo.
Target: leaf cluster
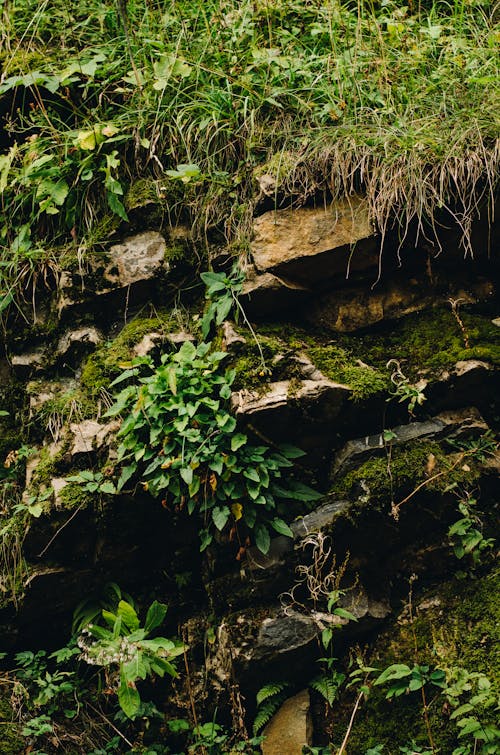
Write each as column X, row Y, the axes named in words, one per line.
column 180, row 439
column 122, row 641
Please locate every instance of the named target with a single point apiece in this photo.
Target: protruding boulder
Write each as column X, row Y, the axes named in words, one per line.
column 311, row 244
column 462, row 423
column 285, row 393
column 265, row 294
column 26, row 364
column 290, row 728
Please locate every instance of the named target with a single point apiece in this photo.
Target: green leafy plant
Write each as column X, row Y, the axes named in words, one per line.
column 222, row 294
column 466, row 536
column 269, row 698
column 404, row 679
column 124, row 643
column 404, row 391
column 180, row 438
column 471, row 715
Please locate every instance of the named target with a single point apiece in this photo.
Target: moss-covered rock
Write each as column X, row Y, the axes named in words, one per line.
column 452, row 626
column 11, row 742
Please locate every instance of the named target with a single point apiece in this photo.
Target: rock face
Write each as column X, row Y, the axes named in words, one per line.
column 290, row 728
column 310, row 244
column 465, row 423
column 265, row 294
column 137, row 258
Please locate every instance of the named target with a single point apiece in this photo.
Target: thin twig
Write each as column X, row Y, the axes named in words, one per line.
column 397, row 506
column 110, row 723
column 60, row 530
column 351, row 722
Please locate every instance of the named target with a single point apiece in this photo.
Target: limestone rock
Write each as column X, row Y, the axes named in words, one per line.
column 147, row 344
column 58, row 484
column 137, row 258
column 231, row 339
column 281, row 546
column 26, row 364
column 284, row 393
column 283, row 634
column 266, row 294
column 353, row 308
column 150, row 341
column 90, row 435
column 463, row 423
column 311, row 244
column 75, row 344
column 290, row 728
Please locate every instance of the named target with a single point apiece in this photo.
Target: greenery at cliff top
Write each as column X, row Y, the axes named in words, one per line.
column 205, row 104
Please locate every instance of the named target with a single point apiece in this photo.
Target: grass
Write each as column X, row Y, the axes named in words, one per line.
column 324, row 97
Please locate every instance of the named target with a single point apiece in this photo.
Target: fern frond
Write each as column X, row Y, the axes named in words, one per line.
column 328, row 686
column 269, row 690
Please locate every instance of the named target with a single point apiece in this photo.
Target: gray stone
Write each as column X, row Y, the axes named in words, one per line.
column 290, row 728
column 462, row 423
column 90, row 435
column 147, row 344
column 136, row 258
column 283, row 634
column 310, row 244
column 320, row 518
column 28, row 363
column 231, row 339
column 286, row 393
column 75, row 344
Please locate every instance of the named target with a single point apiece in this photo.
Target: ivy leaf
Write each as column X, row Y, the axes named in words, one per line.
column 116, row 206
column 262, row 538
column 220, row 516
column 107, row 487
column 237, row 441
column 187, row 475
column 282, row 527
column 205, row 540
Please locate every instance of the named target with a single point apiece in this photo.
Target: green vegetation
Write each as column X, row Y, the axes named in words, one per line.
column 187, row 105
column 180, row 439
column 429, row 342
column 408, row 467
column 452, row 629
column 106, row 363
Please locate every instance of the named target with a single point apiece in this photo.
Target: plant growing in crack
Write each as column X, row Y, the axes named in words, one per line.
column 180, row 440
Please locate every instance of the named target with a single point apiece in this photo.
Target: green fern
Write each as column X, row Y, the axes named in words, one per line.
column 328, row 686
column 269, row 698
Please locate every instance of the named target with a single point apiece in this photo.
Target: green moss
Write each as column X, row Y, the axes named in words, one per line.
column 339, row 365
column 407, row 468
column 142, row 192
column 103, row 365
column 11, row 742
column 430, row 342
column 453, row 626
column 74, row 495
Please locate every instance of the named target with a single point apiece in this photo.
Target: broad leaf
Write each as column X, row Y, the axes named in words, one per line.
column 262, row 538
column 128, row 697
column 155, row 616
column 220, row 517
column 282, row 527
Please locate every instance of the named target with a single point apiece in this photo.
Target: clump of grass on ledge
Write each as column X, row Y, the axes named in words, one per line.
column 396, row 101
